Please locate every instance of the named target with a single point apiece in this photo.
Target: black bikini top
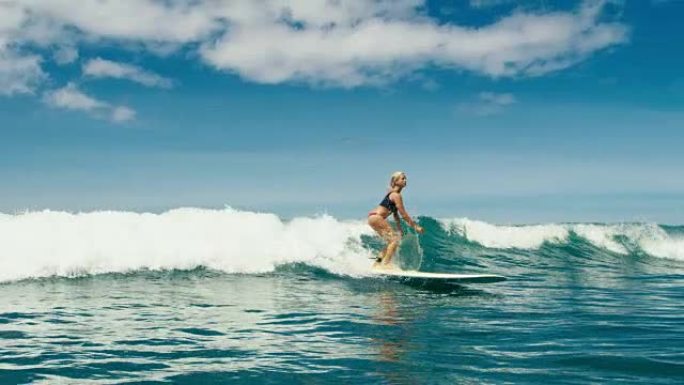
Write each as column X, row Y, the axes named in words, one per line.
column 388, row 204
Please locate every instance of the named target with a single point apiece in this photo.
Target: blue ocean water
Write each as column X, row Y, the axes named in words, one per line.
column 196, row 296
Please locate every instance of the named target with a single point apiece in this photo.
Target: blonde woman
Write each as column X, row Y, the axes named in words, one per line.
column 377, row 219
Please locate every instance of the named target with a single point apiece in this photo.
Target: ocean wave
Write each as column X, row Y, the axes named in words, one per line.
column 505, row 237
column 624, row 239
column 57, row 243
column 47, row 243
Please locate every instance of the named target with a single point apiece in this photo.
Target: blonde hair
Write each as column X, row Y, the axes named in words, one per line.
column 395, row 176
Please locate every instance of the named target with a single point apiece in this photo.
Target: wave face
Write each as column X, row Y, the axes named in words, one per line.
column 50, row 243
column 624, row 239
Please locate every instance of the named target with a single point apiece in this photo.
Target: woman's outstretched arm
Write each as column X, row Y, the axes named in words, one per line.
column 399, row 202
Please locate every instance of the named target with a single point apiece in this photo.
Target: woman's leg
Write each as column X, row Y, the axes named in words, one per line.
column 392, row 247
column 380, row 225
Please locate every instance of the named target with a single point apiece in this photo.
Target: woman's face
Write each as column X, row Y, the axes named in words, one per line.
column 401, row 181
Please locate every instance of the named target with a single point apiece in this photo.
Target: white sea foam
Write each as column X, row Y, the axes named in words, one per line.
column 507, row 237
column 601, row 236
column 46, row 243
column 664, row 248
column 650, row 238
column 617, row 238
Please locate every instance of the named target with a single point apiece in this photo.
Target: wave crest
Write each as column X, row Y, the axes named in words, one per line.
column 46, row 243
column 616, row 238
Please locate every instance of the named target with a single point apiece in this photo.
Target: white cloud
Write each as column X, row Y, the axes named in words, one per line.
column 498, row 99
column 19, row 74
column 66, row 55
column 488, row 104
column 489, row 3
column 178, row 21
column 355, row 51
column 101, row 68
column 12, row 16
column 122, row 114
column 343, row 43
column 71, row 98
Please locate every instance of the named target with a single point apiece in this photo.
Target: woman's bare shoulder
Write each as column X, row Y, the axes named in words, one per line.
column 395, row 195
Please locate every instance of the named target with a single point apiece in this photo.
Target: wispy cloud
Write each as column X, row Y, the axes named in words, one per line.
column 19, row 74
column 489, row 3
column 488, row 103
column 66, row 55
column 122, row 114
column 72, row 98
column 101, row 68
column 497, row 99
column 344, row 43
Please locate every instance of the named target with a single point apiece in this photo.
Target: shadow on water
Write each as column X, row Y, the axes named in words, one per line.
column 439, row 287
column 303, row 271
column 371, row 285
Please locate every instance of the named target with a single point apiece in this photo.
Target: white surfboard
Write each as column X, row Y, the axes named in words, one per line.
column 442, row 277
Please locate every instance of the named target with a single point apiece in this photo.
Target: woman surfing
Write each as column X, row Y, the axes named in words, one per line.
column 377, row 219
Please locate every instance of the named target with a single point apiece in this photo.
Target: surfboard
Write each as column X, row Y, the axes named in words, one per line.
column 442, row 277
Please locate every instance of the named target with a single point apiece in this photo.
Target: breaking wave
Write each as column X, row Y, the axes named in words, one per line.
column 55, row 243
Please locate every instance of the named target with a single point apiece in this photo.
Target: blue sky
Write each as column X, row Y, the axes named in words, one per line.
column 498, row 110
